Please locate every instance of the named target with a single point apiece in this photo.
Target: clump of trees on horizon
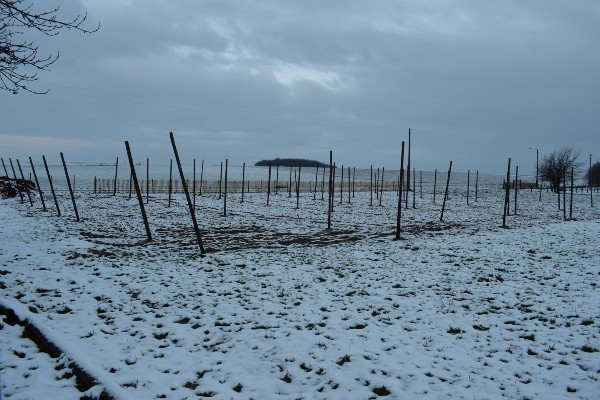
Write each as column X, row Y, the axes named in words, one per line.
column 291, row 162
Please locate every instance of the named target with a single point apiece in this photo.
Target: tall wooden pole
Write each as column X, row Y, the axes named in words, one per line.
column 476, row 184
column 147, row 180
column 298, row 186
column 590, row 183
column 23, row 179
column 571, row 202
column 353, row 180
column 70, row 188
column 399, row 212
column 446, row 193
column 408, row 169
column 316, row 182
column 187, row 194
column 276, row 178
column 329, row 197
column 506, row 195
column 225, row 190
column 51, row 186
column 4, row 165
column 138, row 191
column 342, row 186
column 37, row 183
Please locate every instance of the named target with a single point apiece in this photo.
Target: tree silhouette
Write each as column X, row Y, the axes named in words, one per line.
column 19, row 59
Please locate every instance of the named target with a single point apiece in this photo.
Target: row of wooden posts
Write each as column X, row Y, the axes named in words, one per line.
column 402, row 192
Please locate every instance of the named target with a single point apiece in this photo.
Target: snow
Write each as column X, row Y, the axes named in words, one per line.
column 282, row 308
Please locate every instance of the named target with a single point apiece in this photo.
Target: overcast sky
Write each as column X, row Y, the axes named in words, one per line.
column 477, row 81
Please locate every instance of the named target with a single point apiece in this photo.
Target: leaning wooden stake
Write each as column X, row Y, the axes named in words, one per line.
column 187, row 195
column 6, row 172
column 23, row 178
column 37, row 183
column 138, row 191
column 446, row 192
column 399, row 213
column 506, row 195
column 70, row 188
column 51, row 186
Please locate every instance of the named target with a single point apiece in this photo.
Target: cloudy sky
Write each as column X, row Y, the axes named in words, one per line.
column 476, row 81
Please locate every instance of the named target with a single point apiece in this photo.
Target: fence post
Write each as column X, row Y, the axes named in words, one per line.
column 170, row 180
column 6, row 172
column 23, row 179
column 516, row 186
column 329, row 196
column 269, row 186
column 476, row 183
column 37, row 183
column 371, row 186
column 138, row 191
column 225, row 193
column 194, row 184
column 507, row 194
column 298, row 186
column 69, row 185
column 399, row 213
column 16, row 183
column 243, row 179
column 187, row 194
column 571, row 202
column 381, row 186
column 446, row 193
column 51, row 186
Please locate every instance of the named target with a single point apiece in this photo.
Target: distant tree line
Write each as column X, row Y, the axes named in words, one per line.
column 291, row 162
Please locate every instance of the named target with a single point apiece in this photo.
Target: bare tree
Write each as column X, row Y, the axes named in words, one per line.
column 556, row 166
column 592, row 176
column 19, row 59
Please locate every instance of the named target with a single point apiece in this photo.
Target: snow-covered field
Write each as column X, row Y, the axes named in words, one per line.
column 281, row 308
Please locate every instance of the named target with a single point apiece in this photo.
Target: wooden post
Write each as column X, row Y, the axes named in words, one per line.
column 329, row 197
column 23, row 179
column 516, row 186
column 589, row 183
column 194, row 185
column 4, row 165
column 333, row 188
column 421, row 184
column 399, row 212
column 468, row 184
column 37, row 183
column 377, row 184
column 95, row 184
column 434, row 184
column 446, row 192
column 571, row 202
column 170, row 180
column 269, row 186
column 349, row 186
column 225, row 190
column 16, row 179
column 116, row 174
column 69, row 185
column 506, row 195
column 408, row 169
column 51, row 186
column 353, row 180
column 187, row 194
column 138, row 191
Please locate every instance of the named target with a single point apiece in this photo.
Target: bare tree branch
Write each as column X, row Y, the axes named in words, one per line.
column 19, row 59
